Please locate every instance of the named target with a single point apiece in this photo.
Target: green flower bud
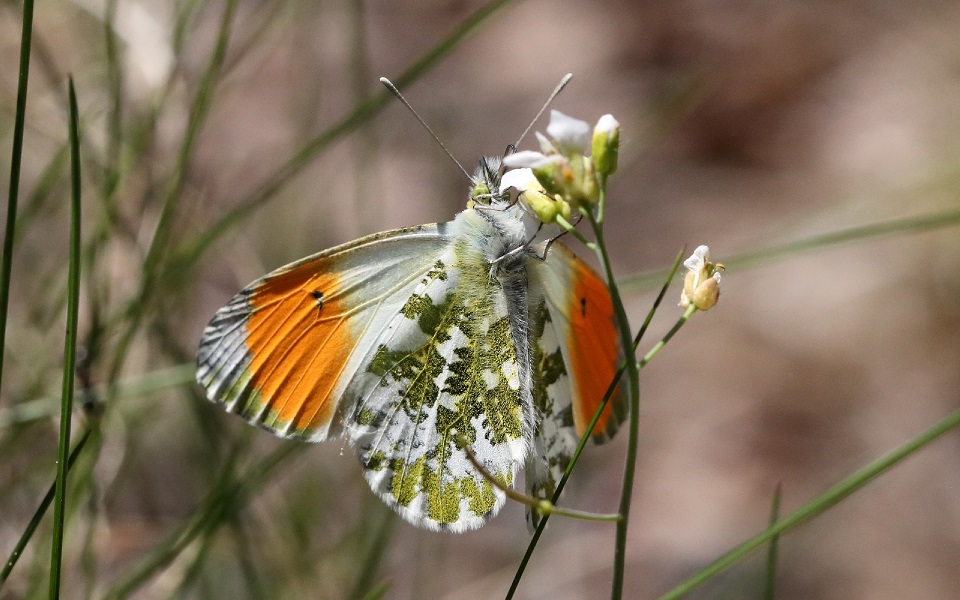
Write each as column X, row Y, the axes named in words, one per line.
column 605, row 147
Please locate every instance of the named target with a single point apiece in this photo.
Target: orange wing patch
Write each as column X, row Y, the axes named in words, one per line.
column 299, row 343
column 596, row 352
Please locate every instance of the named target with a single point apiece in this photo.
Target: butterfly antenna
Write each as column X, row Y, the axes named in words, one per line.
column 563, row 83
column 393, row 90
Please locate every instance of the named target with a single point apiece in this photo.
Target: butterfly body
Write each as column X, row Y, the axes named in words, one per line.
column 423, row 346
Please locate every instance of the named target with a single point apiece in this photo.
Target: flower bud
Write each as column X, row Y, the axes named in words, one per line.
column 605, row 147
column 701, row 285
column 544, row 205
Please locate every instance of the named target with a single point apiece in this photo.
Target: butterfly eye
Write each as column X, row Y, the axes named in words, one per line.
column 480, row 194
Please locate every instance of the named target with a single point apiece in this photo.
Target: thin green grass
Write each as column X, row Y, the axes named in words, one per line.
column 633, row 430
column 773, row 551
column 772, row 254
column 818, row 505
column 585, row 438
column 69, row 352
column 38, row 515
column 16, row 158
column 189, row 252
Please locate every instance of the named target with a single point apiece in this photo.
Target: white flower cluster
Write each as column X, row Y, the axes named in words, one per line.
column 561, row 178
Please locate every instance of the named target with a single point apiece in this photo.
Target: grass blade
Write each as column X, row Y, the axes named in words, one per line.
column 769, row 592
column 38, row 515
column 227, row 497
column 189, row 252
column 818, row 505
column 16, row 155
column 585, row 438
column 770, row 254
column 69, row 349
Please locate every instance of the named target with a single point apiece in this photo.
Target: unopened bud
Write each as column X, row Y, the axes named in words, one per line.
column 605, row 148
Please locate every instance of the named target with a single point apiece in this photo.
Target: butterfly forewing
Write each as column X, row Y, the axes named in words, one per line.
column 576, row 351
column 581, row 312
column 283, row 349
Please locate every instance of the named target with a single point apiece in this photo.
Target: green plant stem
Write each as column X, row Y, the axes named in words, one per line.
column 818, row 505
column 770, row 587
column 666, row 338
column 545, row 507
column 16, row 155
column 38, row 514
column 633, row 380
column 770, row 254
column 69, row 350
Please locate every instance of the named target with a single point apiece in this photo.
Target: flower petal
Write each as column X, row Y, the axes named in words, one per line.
column 607, row 124
column 698, row 259
column 572, row 136
column 531, row 159
column 546, row 146
column 519, row 179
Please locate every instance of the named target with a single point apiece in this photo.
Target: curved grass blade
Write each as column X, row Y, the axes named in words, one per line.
column 69, row 350
column 818, row 505
column 189, row 252
column 770, row 589
column 38, row 514
column 227, row 497
column 752, row 258
column 199, row 110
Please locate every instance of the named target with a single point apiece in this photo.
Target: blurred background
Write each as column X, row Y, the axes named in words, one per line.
column 745, row 125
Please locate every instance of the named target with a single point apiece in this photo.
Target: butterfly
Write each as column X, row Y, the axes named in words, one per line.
column 431, row 350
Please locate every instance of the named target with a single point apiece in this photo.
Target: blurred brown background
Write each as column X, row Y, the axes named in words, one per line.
column 744, row 124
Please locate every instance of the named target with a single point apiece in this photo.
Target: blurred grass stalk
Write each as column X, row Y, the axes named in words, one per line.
column 773, row 551
column 818, row 505
column 38, row 514
column 69, row 350
column 16, row 156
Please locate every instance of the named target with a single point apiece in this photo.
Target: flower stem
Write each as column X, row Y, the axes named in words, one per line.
column 633, row 380
column 663, row 342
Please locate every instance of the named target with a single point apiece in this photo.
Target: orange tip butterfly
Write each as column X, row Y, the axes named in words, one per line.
column 423, row 346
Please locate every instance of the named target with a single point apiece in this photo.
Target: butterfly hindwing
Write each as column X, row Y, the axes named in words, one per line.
column 282, row 351
column 443, row 377
column 555, row 437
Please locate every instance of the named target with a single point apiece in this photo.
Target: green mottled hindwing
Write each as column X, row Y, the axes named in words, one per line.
column 555, row 437
column 444, row 373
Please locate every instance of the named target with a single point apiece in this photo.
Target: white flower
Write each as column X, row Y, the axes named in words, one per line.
column 519, row 179
column 701, row 286
column 570, row 136
column 531, row 160
column 567, row 177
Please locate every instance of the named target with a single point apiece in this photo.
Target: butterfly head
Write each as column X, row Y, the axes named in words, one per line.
column 486, row 183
